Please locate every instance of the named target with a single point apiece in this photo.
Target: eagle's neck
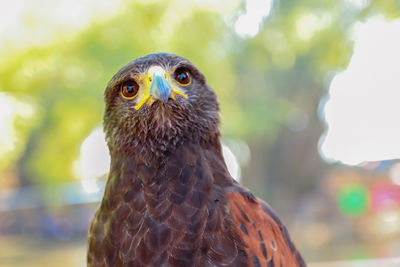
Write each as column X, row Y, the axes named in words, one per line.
column 186, row 175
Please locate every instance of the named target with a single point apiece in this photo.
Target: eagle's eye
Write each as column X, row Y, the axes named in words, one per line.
column 182, row 76
column 129, row 89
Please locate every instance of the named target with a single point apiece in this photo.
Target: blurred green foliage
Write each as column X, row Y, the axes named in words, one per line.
column 258, row 80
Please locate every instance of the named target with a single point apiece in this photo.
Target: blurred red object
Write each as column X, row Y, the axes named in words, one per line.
column 384, row 196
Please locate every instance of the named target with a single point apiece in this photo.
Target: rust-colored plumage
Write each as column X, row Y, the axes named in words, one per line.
column 169, row 199
column 265, row 239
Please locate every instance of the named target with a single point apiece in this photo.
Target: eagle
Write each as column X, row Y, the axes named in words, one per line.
column 169, row 199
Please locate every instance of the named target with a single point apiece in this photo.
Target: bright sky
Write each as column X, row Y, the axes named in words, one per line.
column 30, row 22
column 363, row 108
column 248, row 24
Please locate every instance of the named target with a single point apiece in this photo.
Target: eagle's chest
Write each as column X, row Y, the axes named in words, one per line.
column 174, row 214
column 141, row 238
column 136, row 235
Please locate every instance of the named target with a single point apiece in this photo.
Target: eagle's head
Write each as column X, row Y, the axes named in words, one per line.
column 155, row 103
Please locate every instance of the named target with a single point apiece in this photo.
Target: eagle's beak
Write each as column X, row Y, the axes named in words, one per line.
column 157, row 87
column 160, row 89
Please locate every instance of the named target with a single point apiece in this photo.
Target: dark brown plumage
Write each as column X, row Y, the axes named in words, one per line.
column 169, row 199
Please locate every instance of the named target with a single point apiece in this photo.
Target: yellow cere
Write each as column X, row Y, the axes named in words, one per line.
column 146, row 80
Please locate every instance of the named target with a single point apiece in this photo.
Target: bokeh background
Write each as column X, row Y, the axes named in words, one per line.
column 310, row 104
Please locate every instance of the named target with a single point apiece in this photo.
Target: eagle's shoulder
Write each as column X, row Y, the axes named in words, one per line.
column 260, row 232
